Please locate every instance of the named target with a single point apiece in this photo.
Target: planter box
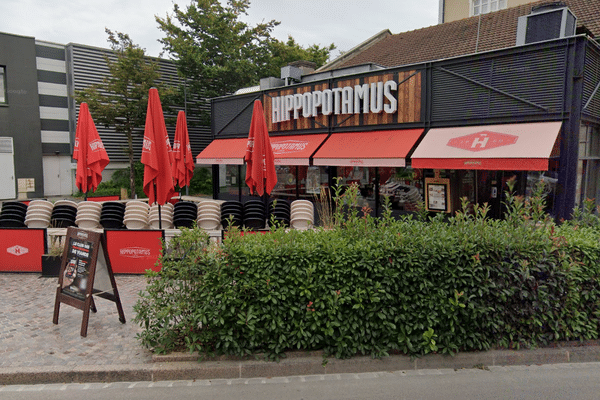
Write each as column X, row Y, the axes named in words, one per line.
column 50, row 266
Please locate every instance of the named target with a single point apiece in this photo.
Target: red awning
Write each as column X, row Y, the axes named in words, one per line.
column 288, row 150
column 368, row 149
column 224, row 151
column 295, row 149
column 525, row 147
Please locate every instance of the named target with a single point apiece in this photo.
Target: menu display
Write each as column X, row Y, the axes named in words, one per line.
column 85, row 256
column 76, row 273
column 436, row 197
column 437, row 194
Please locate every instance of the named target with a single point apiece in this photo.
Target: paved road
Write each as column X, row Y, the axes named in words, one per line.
column 558, row 381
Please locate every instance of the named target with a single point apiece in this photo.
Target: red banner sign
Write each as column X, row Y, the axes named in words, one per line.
column 21, row 250
column 134, row 251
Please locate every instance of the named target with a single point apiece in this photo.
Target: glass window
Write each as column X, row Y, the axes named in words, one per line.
column 2, row 85
column 232, row 183
column 485, row 6
column 299, row 181
column 588, row 171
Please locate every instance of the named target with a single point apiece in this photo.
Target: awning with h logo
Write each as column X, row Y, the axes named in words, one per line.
column 525, row 147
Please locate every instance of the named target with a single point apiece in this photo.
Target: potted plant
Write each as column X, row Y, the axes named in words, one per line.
column 51, row 260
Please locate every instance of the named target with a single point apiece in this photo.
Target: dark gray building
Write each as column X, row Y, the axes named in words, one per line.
column 38, row 114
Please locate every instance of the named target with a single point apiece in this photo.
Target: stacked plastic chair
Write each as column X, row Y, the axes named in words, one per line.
column 64, row 214
column 166, row 216
column 185, row 214
column 38, row 214
column 232, row 212
column 13, row 214
column 88, row 214
column 137, row 215
column 112, row 215
column 209, row 214
column 279, row 212
column 302, row 214
column 255, row 214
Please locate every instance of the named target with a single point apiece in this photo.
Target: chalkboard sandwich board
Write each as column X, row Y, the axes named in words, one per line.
column 85, row 272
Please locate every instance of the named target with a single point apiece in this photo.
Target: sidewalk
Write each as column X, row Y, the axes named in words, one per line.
column 34, row 350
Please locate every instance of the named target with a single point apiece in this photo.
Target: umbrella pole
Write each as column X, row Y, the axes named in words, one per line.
column 85, row 196
column 159, row 217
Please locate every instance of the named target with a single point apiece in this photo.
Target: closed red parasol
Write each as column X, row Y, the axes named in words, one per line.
column 183, row 162
column 261, row 176
column 89, row 152
column 156, row 154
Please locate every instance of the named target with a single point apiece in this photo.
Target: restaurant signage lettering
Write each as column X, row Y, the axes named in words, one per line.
column 374, row 98
column 288, row 146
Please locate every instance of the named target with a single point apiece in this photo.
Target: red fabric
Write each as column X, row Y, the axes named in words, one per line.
column 261, row 176
column 183, row 165
column 89, row 152
column 157, row 156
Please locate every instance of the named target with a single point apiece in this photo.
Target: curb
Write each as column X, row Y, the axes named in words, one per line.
column 183, row 366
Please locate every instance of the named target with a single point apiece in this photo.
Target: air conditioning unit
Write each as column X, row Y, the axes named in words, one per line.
column 546, row 22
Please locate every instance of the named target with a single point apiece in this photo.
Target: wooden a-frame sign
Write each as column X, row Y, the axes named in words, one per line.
column 85, row 272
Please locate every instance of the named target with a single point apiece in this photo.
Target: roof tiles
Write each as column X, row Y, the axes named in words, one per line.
column 497, row 30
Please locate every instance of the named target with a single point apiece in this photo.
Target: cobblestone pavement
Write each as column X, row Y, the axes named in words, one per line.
column 28, row 338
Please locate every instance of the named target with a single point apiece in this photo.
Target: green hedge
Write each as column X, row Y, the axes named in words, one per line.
column 416, row 286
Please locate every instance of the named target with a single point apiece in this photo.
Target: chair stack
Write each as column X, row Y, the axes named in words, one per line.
column 232, row 212
column 302, row 214
column 112, row 215
column 209, row 214
column 137, row 215
column 39, row 213
column 13, row 214
column 88, row 214
column 64, row 214
column 255, row 214
column 166, row 216
column 279, row 211
column 185, row 214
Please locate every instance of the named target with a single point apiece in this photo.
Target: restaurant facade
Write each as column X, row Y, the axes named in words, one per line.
column 468, row 127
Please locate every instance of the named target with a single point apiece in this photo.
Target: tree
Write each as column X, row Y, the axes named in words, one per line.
column 218, row 54
column 121, row 100
column 280, row 54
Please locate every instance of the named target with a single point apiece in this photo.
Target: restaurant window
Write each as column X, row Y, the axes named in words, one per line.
column 479, row 7
column 2, row 85
column 588, row 176
column 232, row 183
column 300, row 182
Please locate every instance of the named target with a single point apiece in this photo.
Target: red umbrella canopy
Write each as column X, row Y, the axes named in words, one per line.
column 183, row 165
column 260, row 169
column 89, row 152
column 156, row 154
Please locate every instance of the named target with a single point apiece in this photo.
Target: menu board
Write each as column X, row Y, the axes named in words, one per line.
column 85, row 256
column 437, row 194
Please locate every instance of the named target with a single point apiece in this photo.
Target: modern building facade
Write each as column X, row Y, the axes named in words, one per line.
column 38, row 113
column 409, row 118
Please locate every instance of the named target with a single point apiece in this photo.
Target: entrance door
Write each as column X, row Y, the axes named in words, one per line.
column 8, row 188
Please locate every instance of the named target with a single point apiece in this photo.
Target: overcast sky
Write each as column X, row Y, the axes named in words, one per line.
column 346, row 23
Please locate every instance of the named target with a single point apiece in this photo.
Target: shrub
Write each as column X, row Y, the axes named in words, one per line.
column 367, row 286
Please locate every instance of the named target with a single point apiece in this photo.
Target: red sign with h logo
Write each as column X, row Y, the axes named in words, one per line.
column 483, row 140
